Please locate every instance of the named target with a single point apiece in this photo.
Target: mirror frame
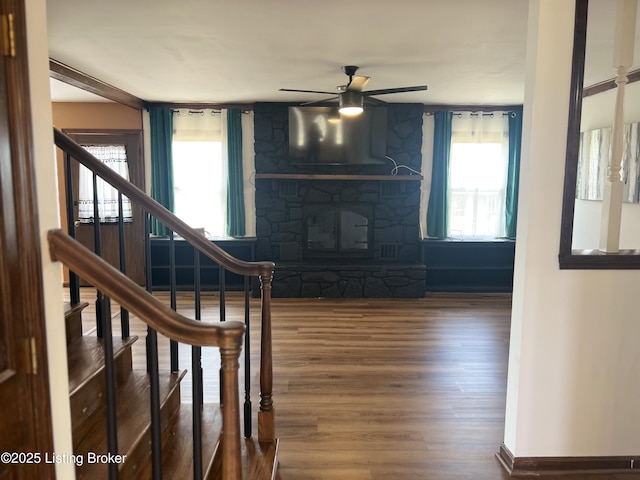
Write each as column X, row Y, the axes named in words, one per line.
column 582, row 259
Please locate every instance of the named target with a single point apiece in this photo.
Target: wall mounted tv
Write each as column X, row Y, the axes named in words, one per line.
column 321, row 136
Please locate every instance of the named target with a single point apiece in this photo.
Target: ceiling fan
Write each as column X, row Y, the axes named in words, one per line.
column 351, row 96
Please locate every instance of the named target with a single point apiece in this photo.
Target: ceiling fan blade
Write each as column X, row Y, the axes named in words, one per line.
column 316, row 102
column 358, row 83
column 395, row 90
column 306, row 91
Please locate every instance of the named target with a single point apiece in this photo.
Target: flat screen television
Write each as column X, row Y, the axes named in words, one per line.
column 321, row 136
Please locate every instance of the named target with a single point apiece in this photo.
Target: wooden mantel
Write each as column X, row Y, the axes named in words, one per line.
column 306, row 176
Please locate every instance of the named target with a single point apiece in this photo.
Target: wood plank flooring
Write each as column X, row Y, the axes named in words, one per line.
column 373, row 389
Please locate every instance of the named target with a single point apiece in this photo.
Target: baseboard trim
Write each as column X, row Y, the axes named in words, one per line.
column 541, row 466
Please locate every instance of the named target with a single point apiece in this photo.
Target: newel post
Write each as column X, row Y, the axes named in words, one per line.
column 266, row 415
column 231, row 454
column 613, row 186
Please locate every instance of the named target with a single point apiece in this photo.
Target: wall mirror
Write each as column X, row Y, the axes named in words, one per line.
column 591, row 115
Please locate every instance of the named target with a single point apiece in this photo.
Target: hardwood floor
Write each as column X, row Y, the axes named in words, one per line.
column 373, row 389
column 379, row 389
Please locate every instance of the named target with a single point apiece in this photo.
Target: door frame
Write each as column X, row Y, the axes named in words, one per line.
column 134, row 231
column 20, row 246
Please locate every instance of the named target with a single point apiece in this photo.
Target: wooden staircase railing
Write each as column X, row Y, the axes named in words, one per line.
column 225, row 335
column 65, row 249
column 262, row 269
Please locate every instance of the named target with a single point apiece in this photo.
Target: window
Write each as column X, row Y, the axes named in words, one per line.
column 114, row 157
column 199, row 172
column 478, row 174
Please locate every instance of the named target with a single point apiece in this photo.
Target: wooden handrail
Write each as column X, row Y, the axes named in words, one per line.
column 263, row 270
column 136, row 195
column 227, row 335
column 137, row 300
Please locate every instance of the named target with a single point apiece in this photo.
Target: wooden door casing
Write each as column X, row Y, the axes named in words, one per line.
column 134, row 231
column 25, row 416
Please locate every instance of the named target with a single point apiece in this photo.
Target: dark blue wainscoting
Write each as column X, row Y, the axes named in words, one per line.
column 469, row 266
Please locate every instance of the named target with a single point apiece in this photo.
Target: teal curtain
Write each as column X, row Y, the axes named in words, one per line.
column 513, row 172
column 161, row 132
column 235, row 182
column 437, row 212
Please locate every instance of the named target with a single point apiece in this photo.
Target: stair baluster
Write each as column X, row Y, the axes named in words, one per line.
column 124, row 314
column 247, row 361
column 97, row 248
column 74, row 281
column 152, row 368
column 147, row 252
column 110, row 386
column 148, row 285
column 197, row 372
column 173, row 345
column 108, row 281
column 196, row 376
column 222, row 289
column 154, row 381
column 223, row 314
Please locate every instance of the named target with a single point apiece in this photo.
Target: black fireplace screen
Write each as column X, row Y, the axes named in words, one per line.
column 343, row 232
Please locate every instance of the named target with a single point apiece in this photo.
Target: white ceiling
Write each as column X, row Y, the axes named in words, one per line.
column 467, row 51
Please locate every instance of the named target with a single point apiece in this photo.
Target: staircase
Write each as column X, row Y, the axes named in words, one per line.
column 87, row 391
column 131, row 424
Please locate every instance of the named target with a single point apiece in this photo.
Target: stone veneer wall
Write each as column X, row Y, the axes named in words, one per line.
column 395, row 268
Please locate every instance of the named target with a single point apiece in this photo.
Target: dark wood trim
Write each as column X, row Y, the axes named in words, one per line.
column 582, row 259
column 304, row 176
column 134, row 233
column 102, row 131
column 26, row 302
column 567, row 257
column 228, row 336
column 573, row 129
column 595, row 259
column 138, row 301
column 541, row 466
column 610, row 84
column 78, row 79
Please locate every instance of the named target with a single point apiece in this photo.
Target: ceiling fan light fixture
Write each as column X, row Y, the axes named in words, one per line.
column 350, row 103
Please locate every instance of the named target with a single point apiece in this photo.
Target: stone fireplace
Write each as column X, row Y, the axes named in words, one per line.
column 339, row 231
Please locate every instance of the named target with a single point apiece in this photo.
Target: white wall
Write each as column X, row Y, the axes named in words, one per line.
column 573, row 383
column 597, row 112
column 48, row 218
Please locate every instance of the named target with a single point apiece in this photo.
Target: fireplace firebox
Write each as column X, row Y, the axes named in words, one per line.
column 338, row 231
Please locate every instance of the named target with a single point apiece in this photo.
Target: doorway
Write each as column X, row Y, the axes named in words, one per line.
column 130, row 141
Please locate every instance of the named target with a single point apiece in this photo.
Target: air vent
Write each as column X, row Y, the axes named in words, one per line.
column 388, row 251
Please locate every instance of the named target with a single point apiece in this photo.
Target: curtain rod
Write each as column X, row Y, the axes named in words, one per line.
column 201, row 112
column 195, row 112
column 484, row 114
column 199, row 106
column 471, row 108
column 475, row 114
